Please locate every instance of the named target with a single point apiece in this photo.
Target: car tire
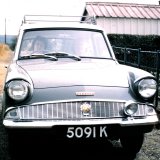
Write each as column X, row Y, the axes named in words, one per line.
column 13, row 147
column 19, row 144
column 132, row 144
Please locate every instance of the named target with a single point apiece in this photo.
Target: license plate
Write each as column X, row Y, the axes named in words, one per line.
column 87, row 132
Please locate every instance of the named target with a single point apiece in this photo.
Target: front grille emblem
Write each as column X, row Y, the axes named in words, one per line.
column 84, row 93
column 86, row 109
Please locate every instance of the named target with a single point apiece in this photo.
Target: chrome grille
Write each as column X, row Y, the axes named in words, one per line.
column 71, row 110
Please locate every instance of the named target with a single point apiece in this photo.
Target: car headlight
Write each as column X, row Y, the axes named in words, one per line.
column 130, row 108
column 18, row 90
column 147, row 87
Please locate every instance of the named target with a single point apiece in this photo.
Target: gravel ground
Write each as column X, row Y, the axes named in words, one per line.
column 151, row 147
column 149, row 151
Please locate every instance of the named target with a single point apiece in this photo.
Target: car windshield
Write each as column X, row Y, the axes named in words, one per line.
column 78, row 43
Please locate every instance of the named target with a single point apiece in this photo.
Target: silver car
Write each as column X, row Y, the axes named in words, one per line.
column 71, row 83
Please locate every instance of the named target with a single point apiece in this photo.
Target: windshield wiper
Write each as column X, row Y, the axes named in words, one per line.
column 34, row 56
column 63, row 55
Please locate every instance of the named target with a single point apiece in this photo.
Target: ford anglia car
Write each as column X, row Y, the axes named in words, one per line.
column 71, row 83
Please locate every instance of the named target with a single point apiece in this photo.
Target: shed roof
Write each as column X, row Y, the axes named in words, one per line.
column 123, row 10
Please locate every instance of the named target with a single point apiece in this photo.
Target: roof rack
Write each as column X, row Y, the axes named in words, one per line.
column 58, row 18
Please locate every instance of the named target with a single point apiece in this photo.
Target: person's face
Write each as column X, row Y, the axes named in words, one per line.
column 39, row 46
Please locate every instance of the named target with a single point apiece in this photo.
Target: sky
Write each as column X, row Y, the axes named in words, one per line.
column 13, row 11
column 128, row 1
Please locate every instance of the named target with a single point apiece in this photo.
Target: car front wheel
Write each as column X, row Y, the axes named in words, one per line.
column 132, row 144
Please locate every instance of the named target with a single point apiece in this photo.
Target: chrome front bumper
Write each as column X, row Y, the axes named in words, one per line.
column 148, row 120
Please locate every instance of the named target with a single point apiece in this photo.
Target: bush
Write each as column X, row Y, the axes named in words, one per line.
column 146, row 43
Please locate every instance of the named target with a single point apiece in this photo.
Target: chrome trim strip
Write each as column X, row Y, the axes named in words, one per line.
column 51, row 123
column 81, row 100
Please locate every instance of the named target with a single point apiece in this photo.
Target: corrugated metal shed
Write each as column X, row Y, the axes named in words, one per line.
column 123, row 10
column 126, row 18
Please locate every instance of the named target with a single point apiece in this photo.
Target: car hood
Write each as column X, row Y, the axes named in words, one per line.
column 58, row 74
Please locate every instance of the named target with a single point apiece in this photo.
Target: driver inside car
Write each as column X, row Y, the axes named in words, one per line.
column 39, row 45
column 36, row 46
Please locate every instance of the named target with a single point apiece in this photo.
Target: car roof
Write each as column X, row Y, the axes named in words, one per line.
column 37, row 22
column 75, row 25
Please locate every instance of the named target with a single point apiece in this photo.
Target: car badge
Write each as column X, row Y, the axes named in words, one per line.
column 83, row 93
column 86, row 109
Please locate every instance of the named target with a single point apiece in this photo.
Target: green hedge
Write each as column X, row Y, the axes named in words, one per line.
column 146, row 43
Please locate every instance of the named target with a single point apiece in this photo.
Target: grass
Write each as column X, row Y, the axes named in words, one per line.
column 3, row 71
column 5, row 58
